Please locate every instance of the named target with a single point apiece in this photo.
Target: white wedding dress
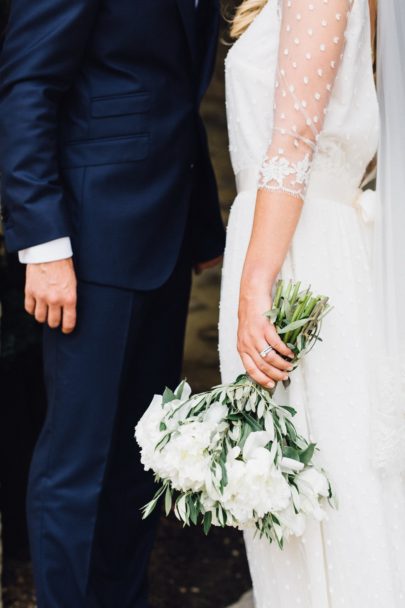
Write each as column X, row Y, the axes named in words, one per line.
column 355, row 559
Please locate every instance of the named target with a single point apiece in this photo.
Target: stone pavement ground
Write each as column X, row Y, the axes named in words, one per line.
column 188, row 570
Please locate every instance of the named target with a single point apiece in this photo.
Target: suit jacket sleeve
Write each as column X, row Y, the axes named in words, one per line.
column 44, row 46
column 207, row 228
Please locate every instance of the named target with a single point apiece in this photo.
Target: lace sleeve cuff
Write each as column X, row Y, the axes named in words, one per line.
column 280, row 174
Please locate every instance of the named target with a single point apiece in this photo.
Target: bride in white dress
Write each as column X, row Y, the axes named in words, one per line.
column 301, row 95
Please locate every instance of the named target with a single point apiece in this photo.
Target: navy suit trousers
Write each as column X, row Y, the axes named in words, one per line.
column 90, row 547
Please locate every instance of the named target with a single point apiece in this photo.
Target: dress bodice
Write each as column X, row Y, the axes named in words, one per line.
column 349, row 136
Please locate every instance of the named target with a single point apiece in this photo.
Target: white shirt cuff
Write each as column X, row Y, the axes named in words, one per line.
column 59, row 249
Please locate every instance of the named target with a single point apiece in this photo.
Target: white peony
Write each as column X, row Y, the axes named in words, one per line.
column 255, row 486
column 289, row 465
column 292, row 522
column 312, row 484
column 267, row 487
column 312, row 481
column 216, row 413
column 185, row 459
column 254, row 441
column 255, row 483
column 147, row 431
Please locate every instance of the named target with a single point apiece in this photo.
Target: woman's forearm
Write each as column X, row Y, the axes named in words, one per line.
column 308, row 62
column 276, row 218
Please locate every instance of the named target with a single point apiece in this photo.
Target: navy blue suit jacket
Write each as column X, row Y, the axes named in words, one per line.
column 100, row 134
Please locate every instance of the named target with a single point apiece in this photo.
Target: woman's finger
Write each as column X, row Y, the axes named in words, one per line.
column 274, row 359
column 255, row 373
column 269, row 370
column 247, row 346
column 272, row 338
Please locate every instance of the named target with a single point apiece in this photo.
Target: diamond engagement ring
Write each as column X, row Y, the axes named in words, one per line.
column 266, row 351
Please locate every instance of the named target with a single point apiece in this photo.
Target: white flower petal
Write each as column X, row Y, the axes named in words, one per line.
column 289, row 464
column 255, row 440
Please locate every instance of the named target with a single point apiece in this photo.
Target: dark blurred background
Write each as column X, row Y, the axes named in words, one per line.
column 188, row 570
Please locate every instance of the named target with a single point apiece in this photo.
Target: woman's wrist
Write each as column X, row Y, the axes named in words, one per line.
column 258, row 280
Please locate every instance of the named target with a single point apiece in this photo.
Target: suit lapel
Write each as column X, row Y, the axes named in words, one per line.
column 188, row 14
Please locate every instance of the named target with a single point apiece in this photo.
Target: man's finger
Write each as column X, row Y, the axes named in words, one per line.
column 69, row 318
column 54, row 316
column 201, row 266
column 29, row 304
column 41, row 311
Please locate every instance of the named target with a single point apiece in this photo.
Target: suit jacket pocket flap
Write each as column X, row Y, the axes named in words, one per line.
column 120, row 105
column 108, row 151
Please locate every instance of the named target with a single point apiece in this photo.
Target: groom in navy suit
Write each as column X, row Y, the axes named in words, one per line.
column 110, row 198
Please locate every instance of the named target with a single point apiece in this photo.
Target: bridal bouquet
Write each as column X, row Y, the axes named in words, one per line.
column 232, row 456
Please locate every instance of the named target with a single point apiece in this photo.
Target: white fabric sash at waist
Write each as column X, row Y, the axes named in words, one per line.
column 247, row 180
column 323, row 187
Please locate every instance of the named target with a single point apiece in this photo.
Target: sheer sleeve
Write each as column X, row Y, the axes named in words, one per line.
column 312, row 41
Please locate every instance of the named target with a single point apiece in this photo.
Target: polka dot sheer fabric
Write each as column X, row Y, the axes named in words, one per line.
column 312, row 41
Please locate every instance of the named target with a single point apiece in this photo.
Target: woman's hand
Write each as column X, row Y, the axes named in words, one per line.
column 255, row 334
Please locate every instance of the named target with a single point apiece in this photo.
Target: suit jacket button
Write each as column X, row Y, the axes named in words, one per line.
column 192, row 166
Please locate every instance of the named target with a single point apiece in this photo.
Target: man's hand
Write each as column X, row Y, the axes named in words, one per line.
column 51, row 294
column 201, row 266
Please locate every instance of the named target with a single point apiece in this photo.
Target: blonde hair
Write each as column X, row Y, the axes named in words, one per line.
column 248, row 10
